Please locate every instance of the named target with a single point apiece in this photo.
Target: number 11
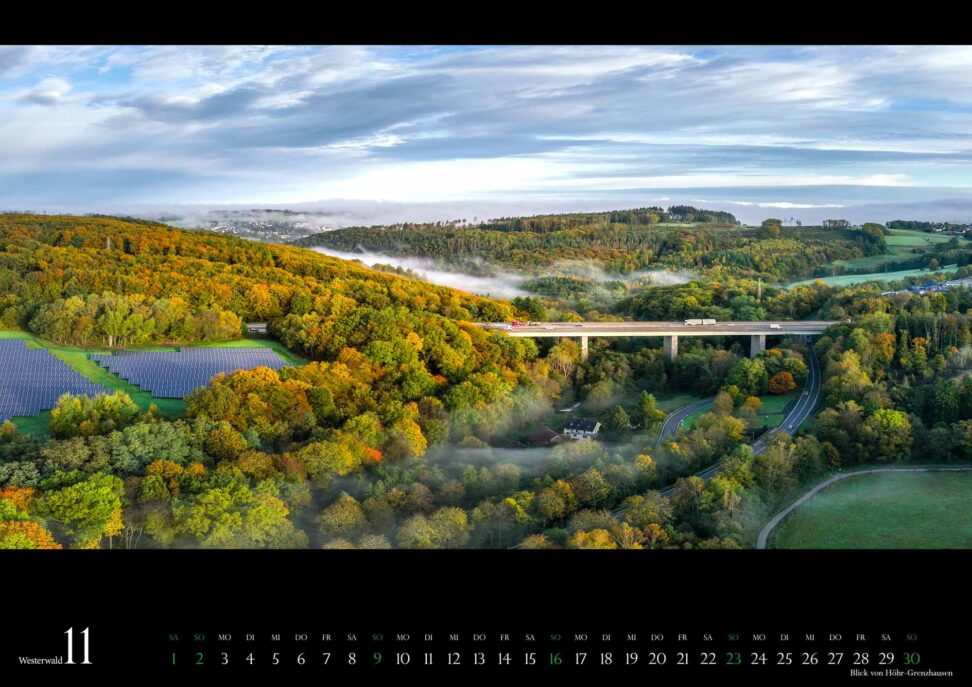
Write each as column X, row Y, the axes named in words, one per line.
column 70, row 651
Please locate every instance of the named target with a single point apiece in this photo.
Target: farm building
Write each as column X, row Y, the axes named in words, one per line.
column 543, row 437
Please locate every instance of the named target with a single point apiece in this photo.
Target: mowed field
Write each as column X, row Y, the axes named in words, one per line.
column 902, row 244
column 849, row 279
column 771, row 413
column 904, row 237
column 669, row 401
column 876, row 262
column 889, row 510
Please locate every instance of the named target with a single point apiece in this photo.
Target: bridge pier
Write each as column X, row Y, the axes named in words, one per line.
column 671, row 347
column 757, row 344
column 585, row 352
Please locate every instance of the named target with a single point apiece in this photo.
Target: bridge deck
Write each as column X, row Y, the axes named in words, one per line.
column 616, row 329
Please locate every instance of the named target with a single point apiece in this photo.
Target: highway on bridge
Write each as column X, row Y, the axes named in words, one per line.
column 616, row 329
column 669, row 331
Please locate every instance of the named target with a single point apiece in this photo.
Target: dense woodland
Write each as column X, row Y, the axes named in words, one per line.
column 618, row 243
column 396, row 433
column 107, row 281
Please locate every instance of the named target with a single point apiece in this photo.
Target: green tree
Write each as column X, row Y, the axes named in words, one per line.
column 532, row 306
column 773, row 468
column 87, row 511
column 446, row 528
column 771, row 228
column 642, row 510
column 885, row 435
column 86, row 416
column 651, row 415
column 343, row 518
column 722, row 404
column 619, row 421
column 236, row 516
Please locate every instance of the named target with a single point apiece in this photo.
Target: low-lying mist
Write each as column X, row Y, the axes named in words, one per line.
column 591, row 270
column 501, row 284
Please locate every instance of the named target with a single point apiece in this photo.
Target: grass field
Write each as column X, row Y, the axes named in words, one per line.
column 771, row 413
column 689, row 421
column 36, row 425
column 904, row 237
column 669, row 401
column 901, row 244
column 273, row 345
column 921, row 510
column 849, row 279
column 79, row 359
column 876, row 262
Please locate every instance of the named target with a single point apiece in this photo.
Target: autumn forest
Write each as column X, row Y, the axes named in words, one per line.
column 405, row 423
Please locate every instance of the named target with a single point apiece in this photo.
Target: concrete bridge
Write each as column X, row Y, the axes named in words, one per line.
column 669, row 331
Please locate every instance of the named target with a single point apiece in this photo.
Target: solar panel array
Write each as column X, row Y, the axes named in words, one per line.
column 31, row 380
column 173, row 374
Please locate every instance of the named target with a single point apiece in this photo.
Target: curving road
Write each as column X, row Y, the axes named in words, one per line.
column 798, row 414
column 763, row 539
column 676, row 417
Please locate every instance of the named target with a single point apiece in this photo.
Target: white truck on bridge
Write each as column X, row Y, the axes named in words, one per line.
column 702, row 322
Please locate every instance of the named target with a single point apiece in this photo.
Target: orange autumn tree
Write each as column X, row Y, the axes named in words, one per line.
column 24, row 534
column 20, row 497
column 782, row 383
column 17, row 530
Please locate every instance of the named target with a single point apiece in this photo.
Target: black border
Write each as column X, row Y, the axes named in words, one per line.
column 492, row 24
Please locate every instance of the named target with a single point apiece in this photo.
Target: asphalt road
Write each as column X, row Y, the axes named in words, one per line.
column 800, row 411
column 676, row 417
column 769, row 327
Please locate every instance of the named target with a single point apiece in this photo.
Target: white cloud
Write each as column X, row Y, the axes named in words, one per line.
column 780, row 205
column 296, row 123
column 50, row 91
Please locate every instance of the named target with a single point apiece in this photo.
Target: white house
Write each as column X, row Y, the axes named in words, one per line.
column 581, row 428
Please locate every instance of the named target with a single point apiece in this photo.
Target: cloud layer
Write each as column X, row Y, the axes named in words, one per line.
column 758, row 130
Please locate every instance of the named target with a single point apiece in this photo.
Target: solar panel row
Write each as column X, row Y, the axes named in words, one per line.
column 31, row 380
column 173, row 374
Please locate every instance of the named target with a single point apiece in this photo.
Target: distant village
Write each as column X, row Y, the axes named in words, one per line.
column 931, row 287
column 269, row 230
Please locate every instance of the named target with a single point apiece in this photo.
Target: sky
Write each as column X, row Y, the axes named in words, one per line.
column 441, row 132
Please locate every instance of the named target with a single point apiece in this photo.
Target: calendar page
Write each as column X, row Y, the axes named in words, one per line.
column 378, row 348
